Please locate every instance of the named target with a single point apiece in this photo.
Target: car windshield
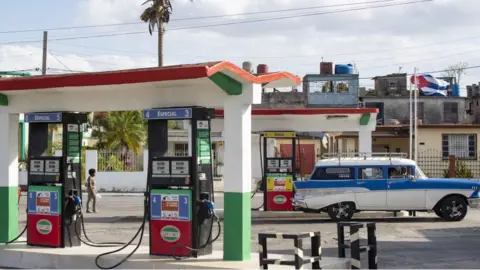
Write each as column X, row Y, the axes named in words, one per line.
column 419, row 173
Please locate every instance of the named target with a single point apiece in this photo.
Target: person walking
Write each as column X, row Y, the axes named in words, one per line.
column 92, row 193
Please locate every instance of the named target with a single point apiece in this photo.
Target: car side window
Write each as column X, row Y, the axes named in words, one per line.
column 400, row 172
column 332, row 174
column 370, row 173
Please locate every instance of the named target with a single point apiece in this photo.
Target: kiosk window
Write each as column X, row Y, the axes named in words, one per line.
column 399, row 172
column 327, row 174
column 370, row 173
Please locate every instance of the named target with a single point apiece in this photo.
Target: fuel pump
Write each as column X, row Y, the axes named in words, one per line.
column 54, row 182
column 279, row 174
column 180, row 189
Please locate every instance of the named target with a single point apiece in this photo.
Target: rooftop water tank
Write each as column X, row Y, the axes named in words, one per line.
column 344, row 69
column 455, row 90
column 248, row 66
column 326, row 67
column 262, row 69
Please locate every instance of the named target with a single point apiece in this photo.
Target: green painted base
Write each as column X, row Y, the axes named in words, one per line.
column 8, row 213
column 237, row 225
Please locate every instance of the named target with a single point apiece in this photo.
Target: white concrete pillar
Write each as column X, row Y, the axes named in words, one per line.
column 8, row 176
column 237, row 177
column 364, row 140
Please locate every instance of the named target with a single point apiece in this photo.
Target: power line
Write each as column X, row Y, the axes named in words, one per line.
column 225, row 24
column 194, row 18
column 58, row 60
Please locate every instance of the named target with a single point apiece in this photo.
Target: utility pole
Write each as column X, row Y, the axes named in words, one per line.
column 44, row 59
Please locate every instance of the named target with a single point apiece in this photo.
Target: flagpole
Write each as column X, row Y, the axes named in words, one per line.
column 410, row 108
column 415, row 144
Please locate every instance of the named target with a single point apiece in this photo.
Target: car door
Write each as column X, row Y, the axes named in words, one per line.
column 404, row 193
column 328, row 185
column 372, row 193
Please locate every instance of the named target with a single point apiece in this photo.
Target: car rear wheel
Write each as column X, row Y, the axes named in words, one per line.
column 438, row 212
column 454, row 208
column 341, row 211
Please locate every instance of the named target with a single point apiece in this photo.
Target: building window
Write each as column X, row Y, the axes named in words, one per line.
column 462, row 146
column 180, row 150
column 331, row 174
column 392, row 85
column 381, row 111
column 450, row 112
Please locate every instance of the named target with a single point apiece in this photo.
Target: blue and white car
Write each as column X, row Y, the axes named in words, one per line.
column 345, row 185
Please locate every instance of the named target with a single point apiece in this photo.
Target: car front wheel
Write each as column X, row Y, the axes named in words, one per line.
column 341, row 211
column 454, row 208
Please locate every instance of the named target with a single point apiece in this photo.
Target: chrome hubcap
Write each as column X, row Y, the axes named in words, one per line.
column 454, row 210
column 341, row 210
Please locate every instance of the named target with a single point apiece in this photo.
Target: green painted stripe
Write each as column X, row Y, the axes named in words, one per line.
column 8, row 213
column 172, row 191
column 364, row 119
column 44, row 188
column 231, row 86
column 3, row 100
column 22, row 140
column 237, row 226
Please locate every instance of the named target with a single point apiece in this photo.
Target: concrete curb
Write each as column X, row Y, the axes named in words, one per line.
column 259, row 215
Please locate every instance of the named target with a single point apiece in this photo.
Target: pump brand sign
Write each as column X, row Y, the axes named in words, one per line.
column 43, row 117
column 280, row 199
column 44, row 226
column 171, row 113
column 170, row 233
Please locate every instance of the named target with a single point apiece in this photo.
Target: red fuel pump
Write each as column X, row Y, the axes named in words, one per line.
column 279, row 174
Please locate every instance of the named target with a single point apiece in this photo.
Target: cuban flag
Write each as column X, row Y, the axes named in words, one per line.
column 431, row 86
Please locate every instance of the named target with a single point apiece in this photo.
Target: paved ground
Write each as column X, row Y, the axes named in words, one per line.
column 422, row 242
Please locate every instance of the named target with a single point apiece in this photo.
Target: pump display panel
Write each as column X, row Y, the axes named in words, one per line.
column 44, row 170
column 279, row 165
column 171, row 171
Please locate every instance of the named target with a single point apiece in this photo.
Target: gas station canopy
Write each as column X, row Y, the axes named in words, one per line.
column 308, row 120
column 203, row 84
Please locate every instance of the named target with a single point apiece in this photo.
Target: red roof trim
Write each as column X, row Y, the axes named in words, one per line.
column 260, row 79
column 156, row 74
column 170, row 73
column 220, row 112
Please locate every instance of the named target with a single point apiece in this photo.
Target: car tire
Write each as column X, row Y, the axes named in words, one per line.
column 454, row 208
column 438, row 212
column 341, row 211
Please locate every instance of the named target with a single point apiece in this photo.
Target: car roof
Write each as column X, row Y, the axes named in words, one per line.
column 356, row 161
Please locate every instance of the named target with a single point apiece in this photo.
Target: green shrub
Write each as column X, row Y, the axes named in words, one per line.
column 461, row 171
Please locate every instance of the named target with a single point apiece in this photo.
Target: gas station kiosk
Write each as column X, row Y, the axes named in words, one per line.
column 54, row 182
column 180, row 189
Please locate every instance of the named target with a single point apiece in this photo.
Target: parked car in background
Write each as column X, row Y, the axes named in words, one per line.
column 345, row 184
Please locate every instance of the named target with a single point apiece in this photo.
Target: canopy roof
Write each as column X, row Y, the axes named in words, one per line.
column 203, row 84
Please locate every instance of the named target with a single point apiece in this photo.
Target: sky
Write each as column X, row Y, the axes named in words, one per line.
column 378, row 39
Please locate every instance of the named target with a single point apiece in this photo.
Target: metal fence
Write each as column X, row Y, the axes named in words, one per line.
column 119, row 161
column 434, row 164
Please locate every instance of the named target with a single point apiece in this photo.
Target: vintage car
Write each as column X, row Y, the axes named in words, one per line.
column 344, row 185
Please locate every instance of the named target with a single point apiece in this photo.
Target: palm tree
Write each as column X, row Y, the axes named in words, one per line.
column 125, row 131
column 156, row 15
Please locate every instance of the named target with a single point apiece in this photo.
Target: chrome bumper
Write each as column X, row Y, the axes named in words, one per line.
column 299, row 203
column 474, row 202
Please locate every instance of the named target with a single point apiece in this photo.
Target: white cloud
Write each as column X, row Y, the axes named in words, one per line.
column 429, row 35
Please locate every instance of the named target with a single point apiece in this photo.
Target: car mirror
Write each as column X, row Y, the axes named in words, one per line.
column 411, row 178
